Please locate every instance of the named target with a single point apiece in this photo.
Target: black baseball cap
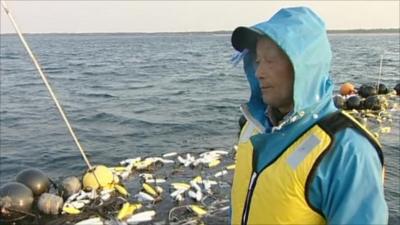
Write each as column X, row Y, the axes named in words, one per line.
column 245, row 37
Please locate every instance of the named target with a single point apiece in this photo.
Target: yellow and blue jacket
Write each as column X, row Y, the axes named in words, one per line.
column 319, row 166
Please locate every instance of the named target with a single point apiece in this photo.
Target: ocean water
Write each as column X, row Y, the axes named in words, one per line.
column 147, row 94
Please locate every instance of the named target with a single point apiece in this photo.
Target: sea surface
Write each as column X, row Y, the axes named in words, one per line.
column 146, row 94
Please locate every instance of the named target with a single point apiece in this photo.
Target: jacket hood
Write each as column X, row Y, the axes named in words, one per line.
column 301, row 34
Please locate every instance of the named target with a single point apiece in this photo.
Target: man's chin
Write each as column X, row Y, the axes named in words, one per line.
column 267, row 101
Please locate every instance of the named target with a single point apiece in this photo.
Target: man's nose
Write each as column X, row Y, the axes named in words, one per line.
column 261, row 72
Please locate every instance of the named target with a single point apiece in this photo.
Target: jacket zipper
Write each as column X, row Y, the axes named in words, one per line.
column 248, row 198
column 254, row 175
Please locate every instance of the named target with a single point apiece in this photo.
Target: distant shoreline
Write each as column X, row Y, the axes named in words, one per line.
column 365, row 31
column 352, row 31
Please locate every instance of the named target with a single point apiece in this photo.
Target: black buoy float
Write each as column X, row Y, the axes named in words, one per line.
column 35, row 179
column 372, row 102
column 339, row 101
column 354, row 102
column 382, row 89
column 15, row 201
column 397, row 89
column 367, row 90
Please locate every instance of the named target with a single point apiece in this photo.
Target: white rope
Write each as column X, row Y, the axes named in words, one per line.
column 3, row 4
column 380, row 70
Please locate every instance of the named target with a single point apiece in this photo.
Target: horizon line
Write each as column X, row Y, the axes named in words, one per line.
column 358, row 30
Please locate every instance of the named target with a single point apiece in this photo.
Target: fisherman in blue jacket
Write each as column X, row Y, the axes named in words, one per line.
column 299, row 159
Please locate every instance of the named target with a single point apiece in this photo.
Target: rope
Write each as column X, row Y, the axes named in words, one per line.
column 3, row 4
column 380, row 70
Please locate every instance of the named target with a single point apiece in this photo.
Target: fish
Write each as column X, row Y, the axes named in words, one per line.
column 177, row 192
column 180, row 186
column 178, row 195
column 231, row 167
column 142, row 196
column 195, row 195
column 167, row 155
column 214, row 163
column 127, row 210
column 77, row 204
column 91, row 221
column 141, row 217
column 149, row 189
column 121, row 190
column 157, row 181
column 105, row 196
column 198, row 210
column 130, row 161
column 221, row 173
column 67, row 208
column 198, row 179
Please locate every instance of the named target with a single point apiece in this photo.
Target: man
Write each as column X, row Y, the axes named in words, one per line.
column 299, row 160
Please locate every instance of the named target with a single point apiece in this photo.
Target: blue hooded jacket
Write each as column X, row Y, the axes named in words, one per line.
column 347, row 185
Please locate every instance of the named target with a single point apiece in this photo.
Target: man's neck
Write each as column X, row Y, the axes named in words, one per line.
column 276, row 115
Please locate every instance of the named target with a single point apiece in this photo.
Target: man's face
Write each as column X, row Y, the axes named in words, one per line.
column 275, row 75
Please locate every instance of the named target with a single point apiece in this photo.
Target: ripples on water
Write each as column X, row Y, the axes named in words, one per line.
column 131, row 94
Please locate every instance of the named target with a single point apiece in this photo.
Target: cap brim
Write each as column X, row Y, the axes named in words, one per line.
column 245, row 37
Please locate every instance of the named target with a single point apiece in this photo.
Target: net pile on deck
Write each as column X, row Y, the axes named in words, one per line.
column 189, row 188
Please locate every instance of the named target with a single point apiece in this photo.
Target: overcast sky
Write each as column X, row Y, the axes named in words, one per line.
column 181, row 16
